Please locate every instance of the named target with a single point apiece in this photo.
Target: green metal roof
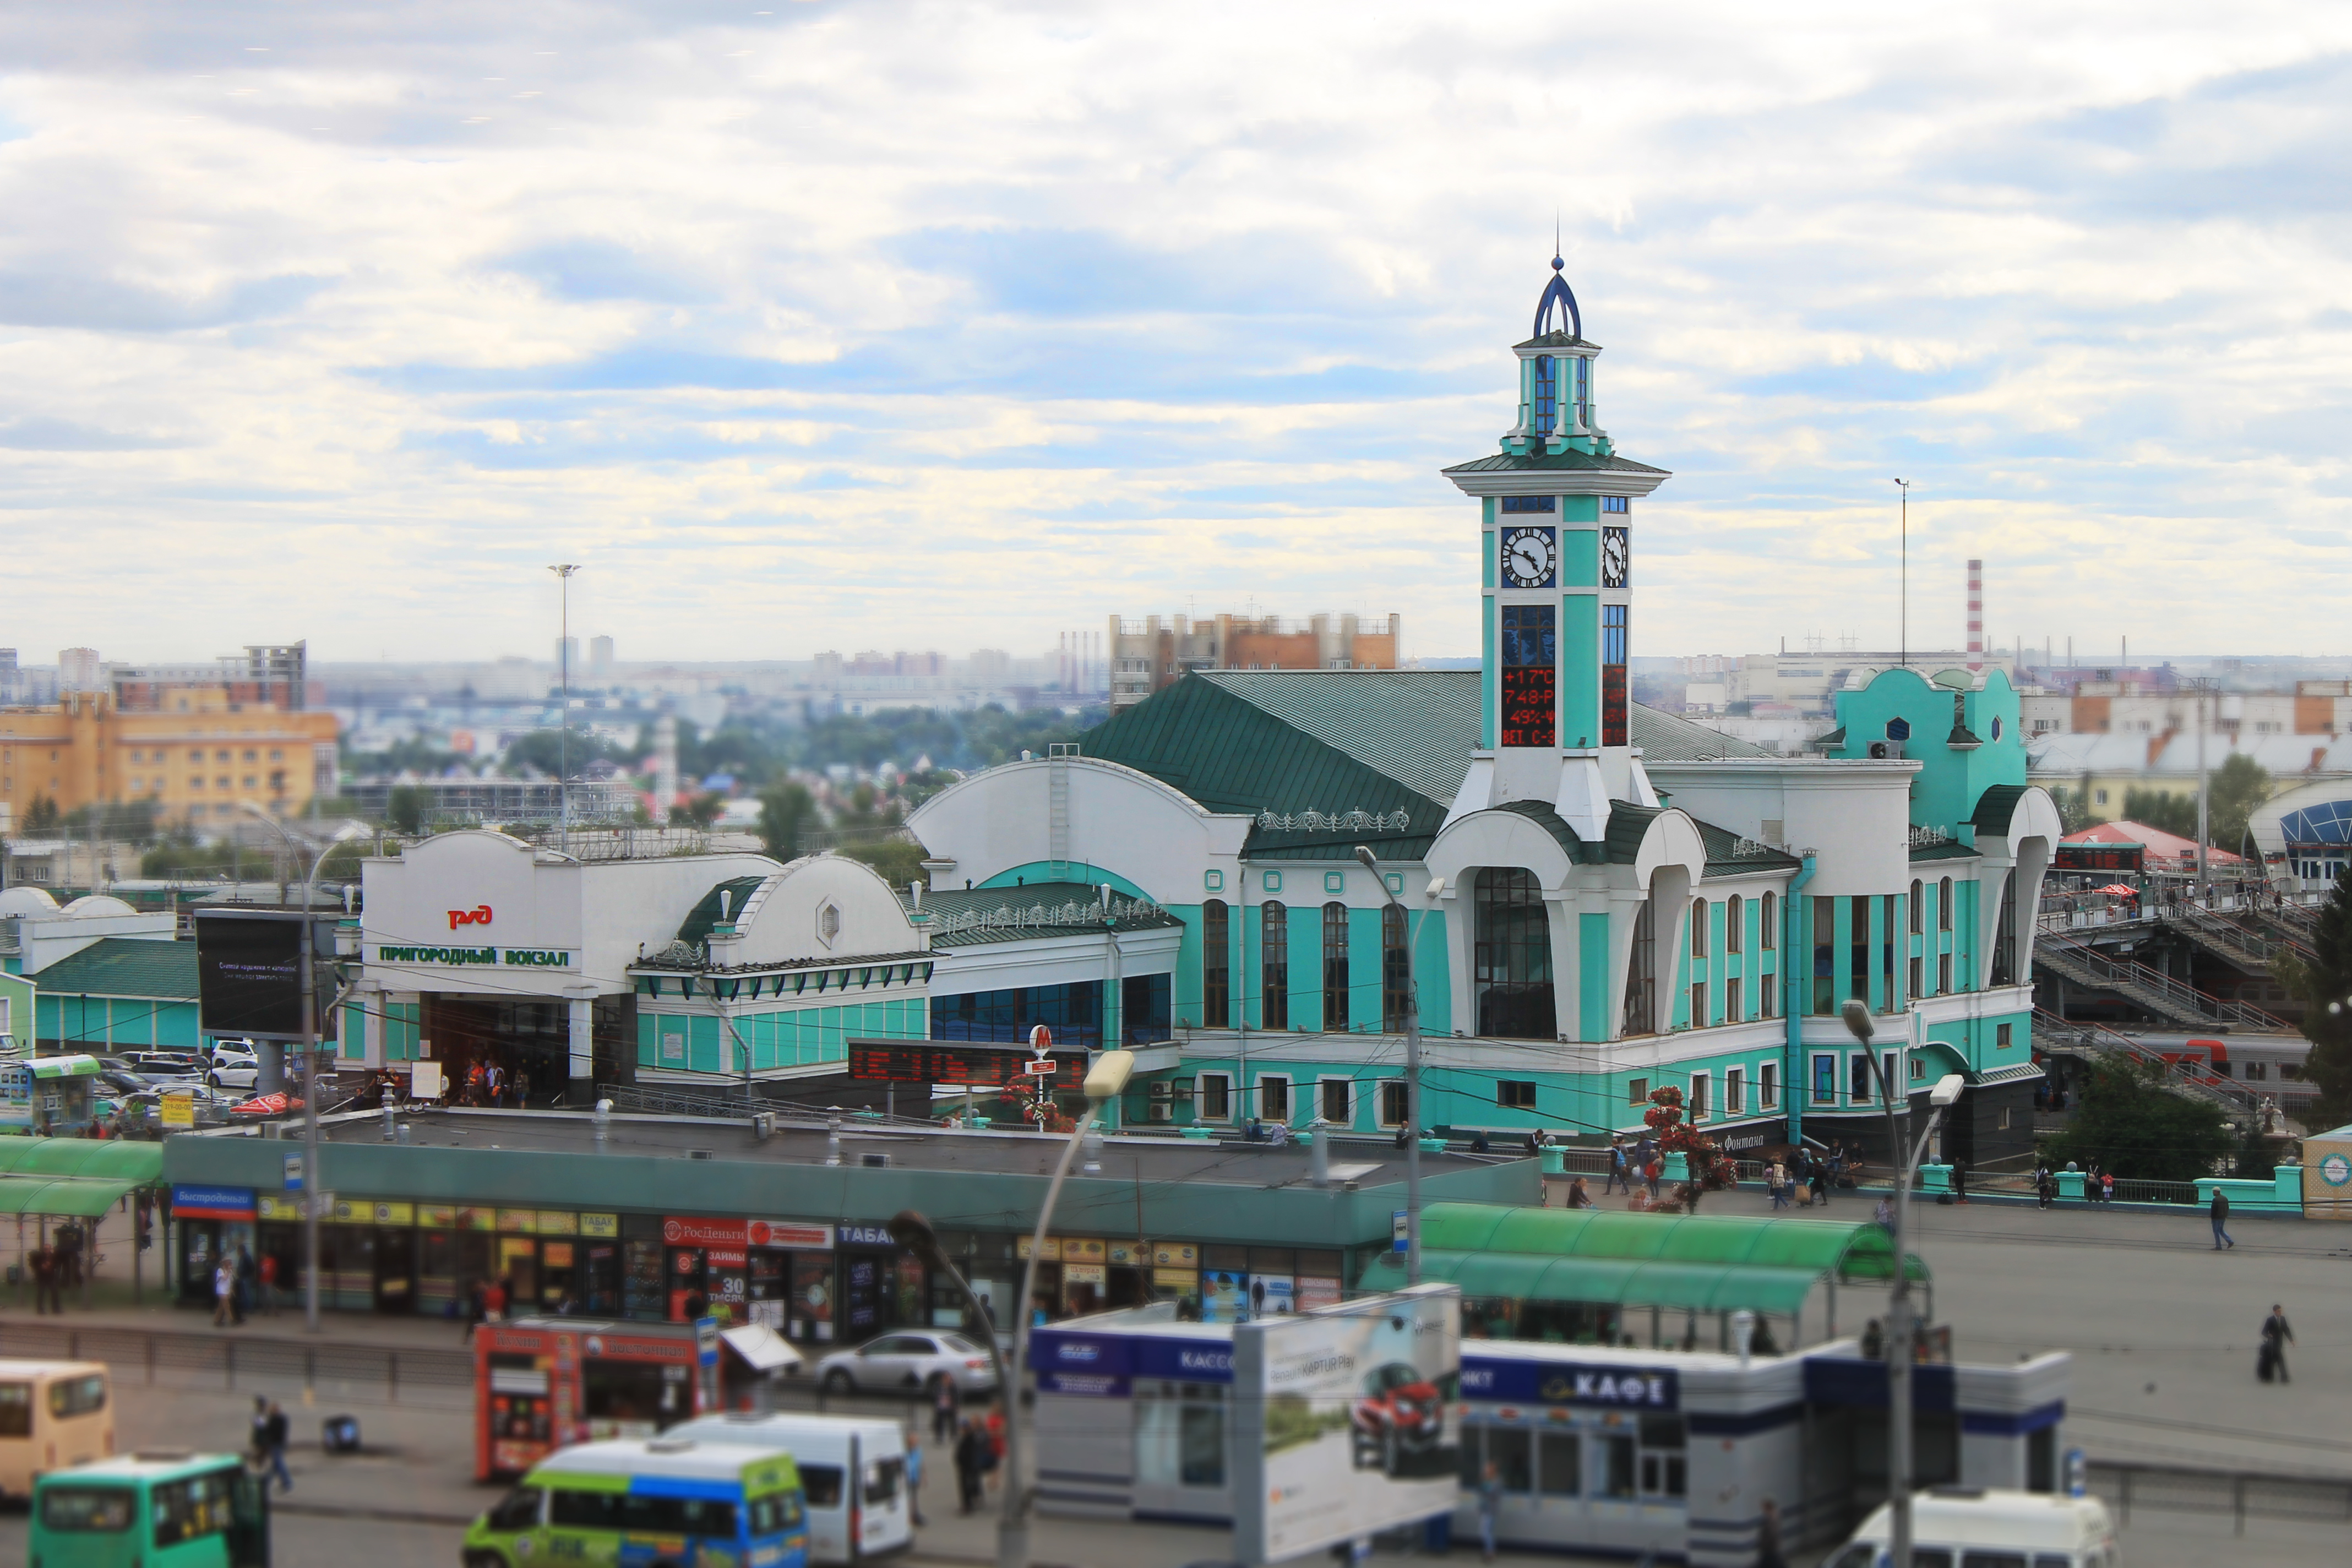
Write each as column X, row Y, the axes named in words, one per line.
column 1528, row 1277
column 1725, row 859
column 1029, row 910
column 1996, row 807
column 81, row 1157
column 85, row 1197
column 1571, row 460
column 1953, row 851
column 125, row 966
column 705, row 913
column 1335, row 741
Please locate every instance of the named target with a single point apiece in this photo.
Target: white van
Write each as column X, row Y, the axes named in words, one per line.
column 853, row 1474
column 1970, row 1527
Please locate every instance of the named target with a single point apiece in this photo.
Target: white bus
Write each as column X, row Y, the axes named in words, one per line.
column 53, row 1415
column 853, row 1473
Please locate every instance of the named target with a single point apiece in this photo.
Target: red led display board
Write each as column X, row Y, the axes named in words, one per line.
column 955, row 1062
column 1529, row 705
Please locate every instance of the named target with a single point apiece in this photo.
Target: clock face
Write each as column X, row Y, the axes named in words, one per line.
column 1530, row 557
column 1615, row 554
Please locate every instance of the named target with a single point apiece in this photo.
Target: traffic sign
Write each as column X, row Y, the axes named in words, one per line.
column 1043, row 1066
column 293, row 1182
column 1400, row 1232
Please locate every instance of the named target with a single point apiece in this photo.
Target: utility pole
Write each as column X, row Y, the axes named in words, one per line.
column 1902, row 613
column 563, row 739
column 2203, row 686
column 1412, row 1080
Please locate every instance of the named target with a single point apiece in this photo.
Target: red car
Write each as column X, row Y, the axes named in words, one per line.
column 1401, row 1416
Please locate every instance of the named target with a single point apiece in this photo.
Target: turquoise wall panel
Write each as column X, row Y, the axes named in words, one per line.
column 1593, row 978
column 1364, row 950
column 704, row 1042
column 1184, row 985
column 1580, row 669
column 1307, row 954
column 1433, row 990
column 1580, row 558
column 1488, row 663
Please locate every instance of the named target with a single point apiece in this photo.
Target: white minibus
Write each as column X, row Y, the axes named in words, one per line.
column 53, row 1415
column 1971, row 1527
column 853, row 1473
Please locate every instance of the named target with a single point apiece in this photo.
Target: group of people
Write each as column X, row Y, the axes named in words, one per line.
column 1818, row 1173
column 487, row 1301
column 57, row 1266
column 489, row 1083
column 974, row 1442
column 1640, row 1161
column 242, row 1284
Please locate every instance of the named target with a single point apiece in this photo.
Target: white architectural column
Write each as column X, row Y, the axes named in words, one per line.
column 372, row 1000
column 582, row 1071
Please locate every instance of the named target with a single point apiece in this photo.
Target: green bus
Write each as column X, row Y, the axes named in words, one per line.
column 167, row 1508
column 649, row 1502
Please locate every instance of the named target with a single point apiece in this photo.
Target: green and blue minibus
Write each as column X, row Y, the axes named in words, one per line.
column 151, row 1509
column 649, row 1502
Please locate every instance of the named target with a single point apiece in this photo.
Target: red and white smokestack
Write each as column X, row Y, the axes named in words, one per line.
column 1976, row 614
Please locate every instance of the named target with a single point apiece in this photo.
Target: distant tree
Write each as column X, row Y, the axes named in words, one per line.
column 899, row 860
column 2237, row 789
column 786, row 810
column 404, row 812
column 2075, row 813
column 180, row 854
column 2130, row 1120
column 2162, row 810
column 40, row 813
column 2325, row 982
column 700, row 811
column 550, row 753
column 2257, row 1157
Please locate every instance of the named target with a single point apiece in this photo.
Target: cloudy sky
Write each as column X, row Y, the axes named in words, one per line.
column 891, row 324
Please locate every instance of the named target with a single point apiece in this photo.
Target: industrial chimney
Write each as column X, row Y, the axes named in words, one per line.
column 1976, row 616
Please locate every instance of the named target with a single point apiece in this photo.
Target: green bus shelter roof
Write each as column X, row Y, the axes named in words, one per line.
column 85, row 1197
column 1709, row 1262
column 139, row 1163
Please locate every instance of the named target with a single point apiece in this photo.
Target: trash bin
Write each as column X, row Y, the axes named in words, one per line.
column 339, row 1435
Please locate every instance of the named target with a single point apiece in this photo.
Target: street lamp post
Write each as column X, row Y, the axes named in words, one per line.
column 1412, row 1080
column 1902, row 591
column 310, row 1186
column 1900, row 1350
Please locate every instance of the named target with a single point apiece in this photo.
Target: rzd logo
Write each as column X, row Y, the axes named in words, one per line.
column 479, row 915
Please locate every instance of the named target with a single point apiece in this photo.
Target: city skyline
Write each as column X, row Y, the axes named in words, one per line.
column 782, row 330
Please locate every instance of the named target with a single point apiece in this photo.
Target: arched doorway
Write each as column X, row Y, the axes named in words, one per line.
column 1513, row 959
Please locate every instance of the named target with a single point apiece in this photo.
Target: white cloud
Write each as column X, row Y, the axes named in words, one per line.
column 949, row 326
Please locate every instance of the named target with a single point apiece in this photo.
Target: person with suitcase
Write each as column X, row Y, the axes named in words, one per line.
column 2276, row 1336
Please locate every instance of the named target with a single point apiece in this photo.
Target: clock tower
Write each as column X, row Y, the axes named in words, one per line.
column 1556, row 542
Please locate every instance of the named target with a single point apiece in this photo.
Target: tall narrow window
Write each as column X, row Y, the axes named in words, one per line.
column 1734, row 1001
column 1396, row 970
column 1613, row 674
column 1274, row 966
column 1217, row 964
column 1917, row 890
column 1768, row 923
column 1530, row 681
column 1768, row 1085
column 1735, row 913
column 1547, row 395
column 1944, row 905
column 1698, row 1019
column 1699, row 1097
column 1335, row 968
column 1584, row 394
column 2004, row 939
column 1698, row 928
column 1857, row 975
column 1735, row 1092
column 1511, row 956
column 1825, row 997
column 1641, row 973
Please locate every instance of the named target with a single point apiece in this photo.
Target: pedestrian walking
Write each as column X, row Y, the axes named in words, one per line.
column 1651, row 1172
column 223, row 1294
column 1615, row 1175
column 242, row 1293
column 1817, row 1182
column 2220, row 1213
column 943, row 1412
column 477, row 1309
column 1490, row 1498
column 2045, row 1186
column 268, row 1268
column 970, row 1449
column 1959, row 1182
column 915, row 1475
column 1767, row 1537
column 2276, row 1337
column 271, row 1433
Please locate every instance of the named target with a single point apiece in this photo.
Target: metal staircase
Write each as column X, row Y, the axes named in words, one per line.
column 2088, row 1040
column 1057, row 808
column 2151, row 988
column 2231, row 941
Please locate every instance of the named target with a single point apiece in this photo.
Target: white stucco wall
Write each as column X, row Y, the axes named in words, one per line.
column 1125, row 822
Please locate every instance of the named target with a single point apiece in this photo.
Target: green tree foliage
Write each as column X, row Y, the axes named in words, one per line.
column 131, row 821
column 2256, row 1155
column 786, row 810
column 2132, row 1124
column 899, row 860
column 40, row 813
column 2231, row 795
column 404, row 812
column 2075, row 813
column 2325, row 984
column 409, row 756
column 700, row 811
column 179, row 855
column 2162, row 810
column 548, row 751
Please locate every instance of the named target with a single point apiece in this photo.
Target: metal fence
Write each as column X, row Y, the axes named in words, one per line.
column 227, row 1361
column 2181, row 1489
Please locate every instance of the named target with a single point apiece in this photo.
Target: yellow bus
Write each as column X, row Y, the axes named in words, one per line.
column 53, row 1415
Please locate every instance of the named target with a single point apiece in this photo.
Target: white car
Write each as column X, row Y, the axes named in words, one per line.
column 911, row 1362
column 233, row 1064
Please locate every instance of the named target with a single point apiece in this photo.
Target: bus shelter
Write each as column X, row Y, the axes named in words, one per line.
column 1601, row 1276
column 79, row 1179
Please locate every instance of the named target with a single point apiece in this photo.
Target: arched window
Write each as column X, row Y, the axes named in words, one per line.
column 1513, row 958
column 1768, row 923
column 1217, row 964
column 1396, row 970
column 1917, row 889
column 1944, row 904
column 1735, row 914
column 1641, row 975
column 1698, row 928
column 1273, row 967
column 1547, row 395
column 1335, row 968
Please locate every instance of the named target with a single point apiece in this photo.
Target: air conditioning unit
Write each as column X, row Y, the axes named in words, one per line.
column 1162, row 1111
column 1885, row 751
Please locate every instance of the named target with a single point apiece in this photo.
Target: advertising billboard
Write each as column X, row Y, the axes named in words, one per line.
column 1352, row 1421
column 249, row 974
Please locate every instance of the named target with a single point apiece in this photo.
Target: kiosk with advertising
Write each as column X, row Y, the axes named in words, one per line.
column 541, row 1383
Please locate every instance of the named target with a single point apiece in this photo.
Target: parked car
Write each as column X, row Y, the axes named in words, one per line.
column 233, row 1064
column 908, row 1363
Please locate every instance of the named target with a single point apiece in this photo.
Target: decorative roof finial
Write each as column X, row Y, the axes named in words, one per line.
column 1558, row 292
